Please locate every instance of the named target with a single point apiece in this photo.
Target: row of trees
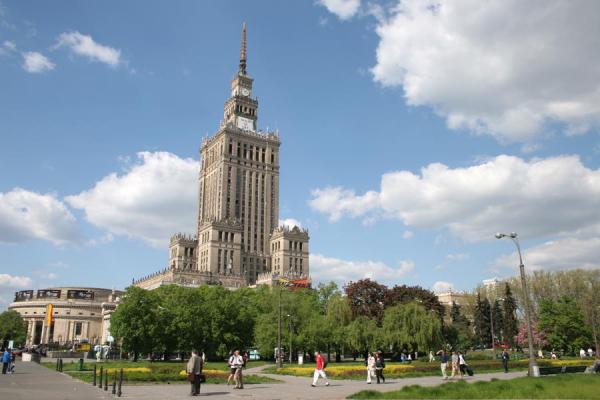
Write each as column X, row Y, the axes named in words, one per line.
column 364, row 317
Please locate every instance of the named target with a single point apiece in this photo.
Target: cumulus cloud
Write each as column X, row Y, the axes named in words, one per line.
column 325, row 269
column 12, row 281
column 290, row 223
column 560, row 254
column 343, row 9
column 152, row 199
column 442, row 287
column 35, row 62
column 26, row 215
column 84, row 45
column 507, row 68
column 541, row 197
column 337, row 201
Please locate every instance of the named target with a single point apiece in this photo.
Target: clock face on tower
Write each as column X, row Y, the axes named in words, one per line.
column 245, row 92
column 245, row 124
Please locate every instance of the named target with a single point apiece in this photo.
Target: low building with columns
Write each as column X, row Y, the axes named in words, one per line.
column 66, row 314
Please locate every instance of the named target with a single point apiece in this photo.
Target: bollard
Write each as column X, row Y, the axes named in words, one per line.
column 114, row 388
column 94, row 380
column 101, row 376
column 119, row 392
column 106, row 379
column 60, row 364
column 57, row 364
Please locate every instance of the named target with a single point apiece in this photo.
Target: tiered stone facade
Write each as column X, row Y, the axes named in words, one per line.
column 238, row 238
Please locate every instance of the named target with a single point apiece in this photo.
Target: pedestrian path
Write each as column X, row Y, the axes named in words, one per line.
column 292, row 387
column 34, row 382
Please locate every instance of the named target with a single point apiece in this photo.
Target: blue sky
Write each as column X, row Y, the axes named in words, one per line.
column 411, row 133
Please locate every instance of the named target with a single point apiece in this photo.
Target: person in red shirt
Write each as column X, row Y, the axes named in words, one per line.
column 320, row 370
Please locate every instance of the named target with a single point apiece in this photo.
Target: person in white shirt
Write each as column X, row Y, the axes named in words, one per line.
column 590, row 352
column 237, row 363
column 370, row 367
column 582, row 353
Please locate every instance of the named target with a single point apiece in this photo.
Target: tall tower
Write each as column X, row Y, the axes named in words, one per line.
column 239, row 186
column 238, row 238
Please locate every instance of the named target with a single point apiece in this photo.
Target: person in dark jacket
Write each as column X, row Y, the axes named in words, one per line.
column 194, row 369
column 505, row 358
column 379, row 366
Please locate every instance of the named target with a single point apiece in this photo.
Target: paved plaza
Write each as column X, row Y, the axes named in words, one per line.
column 34, row 382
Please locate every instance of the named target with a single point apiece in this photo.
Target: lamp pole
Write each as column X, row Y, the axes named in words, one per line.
column 279, row 359
column 290, row 329
column 534, row 370
column 593, row 301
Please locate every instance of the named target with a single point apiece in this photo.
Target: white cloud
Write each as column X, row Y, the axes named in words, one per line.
column 407, row 234
column 560, row 254
column 506, row 68
column 344, row 9
column 35, row 62
column 337, row 201
column 151, row 200
column 325, row 269
column 458, row 256
column 17, row 282
column 8, row 284
column 541, row 197
column 442, row 287
column 28, row 215
column 290, row 223
column 84, row 45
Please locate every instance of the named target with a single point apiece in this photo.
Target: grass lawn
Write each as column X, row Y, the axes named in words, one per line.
column 570, row 386
column 156, row 372
column 357, row 371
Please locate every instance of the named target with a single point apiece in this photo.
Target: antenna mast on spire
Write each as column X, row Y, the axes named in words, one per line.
column 243, row 51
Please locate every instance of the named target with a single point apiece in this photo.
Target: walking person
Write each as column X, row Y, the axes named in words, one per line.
column 370, row 367
column 454, row 360
column 379, row 366
column 443, row 363
column 232, row 370
column 462, row 364
column 505, row 358
column 194, row 370
column 320, row 370
column 431, row 357
column 581, row 353
column 590, row 352
column 5, row 361
column 238, row 364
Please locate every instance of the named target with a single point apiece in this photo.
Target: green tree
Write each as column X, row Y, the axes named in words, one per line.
column 337, row 318
column 510, row 323
column 137, row 321
column 459, row 333
column 565, row 324
column 411, row 325
column 498, row 319
column 363, row 334
column 481, row 322
column 12, row 327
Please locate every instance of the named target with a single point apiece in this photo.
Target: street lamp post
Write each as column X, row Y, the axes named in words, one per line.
column 290, row 329
column 534, row 370
column 279, row 359
column 593, row 300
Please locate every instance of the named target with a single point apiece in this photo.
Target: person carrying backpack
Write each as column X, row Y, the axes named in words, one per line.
column 443, row 363
column 379, row 366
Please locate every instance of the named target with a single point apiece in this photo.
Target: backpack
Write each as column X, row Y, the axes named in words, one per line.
column 324, row 363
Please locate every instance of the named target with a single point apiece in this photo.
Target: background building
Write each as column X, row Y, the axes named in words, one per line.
column 238, row 238
column 65, row 314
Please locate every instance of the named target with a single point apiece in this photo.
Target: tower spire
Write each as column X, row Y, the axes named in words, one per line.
column 243, row 51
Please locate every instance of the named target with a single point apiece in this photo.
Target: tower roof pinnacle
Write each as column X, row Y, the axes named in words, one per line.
column 243, row 51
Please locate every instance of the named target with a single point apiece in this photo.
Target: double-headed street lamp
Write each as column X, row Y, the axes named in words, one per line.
column 534, row 370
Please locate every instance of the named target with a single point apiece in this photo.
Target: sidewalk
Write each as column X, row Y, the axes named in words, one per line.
column 34, row 382
column 292, row 387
